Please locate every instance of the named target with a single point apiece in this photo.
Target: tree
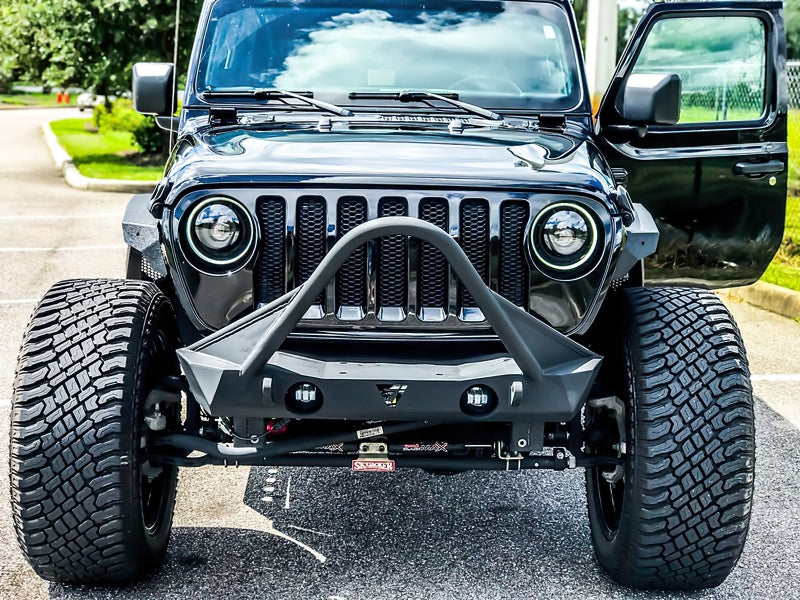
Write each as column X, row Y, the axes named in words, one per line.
column 91, row 43
column 791, row 15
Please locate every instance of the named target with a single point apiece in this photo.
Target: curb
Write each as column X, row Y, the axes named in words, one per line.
column 74, row 178
column 773, row 298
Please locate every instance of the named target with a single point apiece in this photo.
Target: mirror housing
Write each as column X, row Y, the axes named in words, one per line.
column 154, row 88
column 652, row 99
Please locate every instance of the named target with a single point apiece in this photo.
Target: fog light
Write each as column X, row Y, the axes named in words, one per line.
column 478, row 400
column 304, row 397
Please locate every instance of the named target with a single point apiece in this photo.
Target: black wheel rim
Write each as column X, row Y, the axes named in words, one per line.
column 609, row 498
column 155, row 493
column 157, row 360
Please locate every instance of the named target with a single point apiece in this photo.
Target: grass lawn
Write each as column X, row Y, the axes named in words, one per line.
column 110, row 155
column 700, row 114
column 24, row 99
column 783, row 274
column 785, row 267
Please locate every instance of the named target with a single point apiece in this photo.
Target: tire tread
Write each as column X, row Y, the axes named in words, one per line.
column 688, row 499
column 71, row 439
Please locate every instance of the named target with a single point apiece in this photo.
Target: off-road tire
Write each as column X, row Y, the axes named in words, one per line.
column 679, row 517
column 83, row 511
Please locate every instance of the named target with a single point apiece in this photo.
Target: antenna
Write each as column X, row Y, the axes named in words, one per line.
column 175, row 70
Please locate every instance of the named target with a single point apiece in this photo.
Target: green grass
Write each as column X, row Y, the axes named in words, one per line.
column 23, row 99
column 787, row 276
column 792, row 229
column 794, row 152
column 784, row 270
column 110, row 155
column 701, row 114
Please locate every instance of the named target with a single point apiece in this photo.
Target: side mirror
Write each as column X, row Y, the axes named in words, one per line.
column 652, row 99
column 154, row 89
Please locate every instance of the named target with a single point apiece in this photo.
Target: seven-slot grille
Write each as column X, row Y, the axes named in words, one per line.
column 394, row 277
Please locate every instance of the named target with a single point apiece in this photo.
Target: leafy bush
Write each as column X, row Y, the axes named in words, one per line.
column 122, row 117
column 99, row 115
column 148, row 135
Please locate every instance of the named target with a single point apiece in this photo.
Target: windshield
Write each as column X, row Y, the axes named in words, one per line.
column 497, row 54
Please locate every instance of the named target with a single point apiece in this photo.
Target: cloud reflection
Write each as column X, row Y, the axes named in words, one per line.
column 514, row 52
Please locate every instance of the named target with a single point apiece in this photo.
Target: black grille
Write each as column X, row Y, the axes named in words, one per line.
column 392, row 288
column 474, row 239
column 272, row 266
column 374, row 282
column 433, row 269
column 351, row 281
column 310, row 237
column 512, row 277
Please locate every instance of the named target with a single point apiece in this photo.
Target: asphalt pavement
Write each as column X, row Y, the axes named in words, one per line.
column 331, row 534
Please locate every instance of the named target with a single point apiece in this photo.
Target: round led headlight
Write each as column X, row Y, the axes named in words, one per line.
column 220, row 232
column 564, row 240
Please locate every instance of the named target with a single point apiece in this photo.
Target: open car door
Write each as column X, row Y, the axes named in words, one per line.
column 715, row 180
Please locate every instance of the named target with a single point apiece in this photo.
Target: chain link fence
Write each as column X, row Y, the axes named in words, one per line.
column 729, row 92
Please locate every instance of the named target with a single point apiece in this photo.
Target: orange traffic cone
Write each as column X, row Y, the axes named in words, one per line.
column 59, row 98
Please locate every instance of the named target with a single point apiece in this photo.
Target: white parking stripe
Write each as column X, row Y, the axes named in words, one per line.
column 59, row 217
column 776, row 377
column 18, row 301
column 66, row 248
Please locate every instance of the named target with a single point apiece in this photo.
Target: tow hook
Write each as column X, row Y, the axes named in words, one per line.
column 373, row 457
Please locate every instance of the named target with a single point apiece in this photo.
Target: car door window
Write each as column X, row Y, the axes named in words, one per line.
column 722, row 75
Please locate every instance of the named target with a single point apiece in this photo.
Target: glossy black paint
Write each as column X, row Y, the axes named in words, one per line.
column 242, row 371
column 717, row 228
column 246, row 165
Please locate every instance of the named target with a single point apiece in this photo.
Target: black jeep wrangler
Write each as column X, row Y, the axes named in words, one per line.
column 392, row 234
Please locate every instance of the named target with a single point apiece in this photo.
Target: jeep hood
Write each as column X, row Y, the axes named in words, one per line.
column 242, row 156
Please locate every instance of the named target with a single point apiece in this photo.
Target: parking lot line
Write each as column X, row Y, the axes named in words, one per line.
column 65, row 248
column 776, row 377
column 59, row 217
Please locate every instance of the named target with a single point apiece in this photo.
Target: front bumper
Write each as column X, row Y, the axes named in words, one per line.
column 245, row 369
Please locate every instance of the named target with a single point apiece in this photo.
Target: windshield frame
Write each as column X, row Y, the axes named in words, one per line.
column 194, row 95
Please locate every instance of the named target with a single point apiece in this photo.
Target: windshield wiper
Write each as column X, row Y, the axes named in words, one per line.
column 416, row 95
column 270, row 93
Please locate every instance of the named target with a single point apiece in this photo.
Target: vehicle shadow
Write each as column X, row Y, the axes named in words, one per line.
column 408, row 535
column 469, row 536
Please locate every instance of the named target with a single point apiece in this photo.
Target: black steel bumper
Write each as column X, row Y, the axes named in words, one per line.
column 242, row 370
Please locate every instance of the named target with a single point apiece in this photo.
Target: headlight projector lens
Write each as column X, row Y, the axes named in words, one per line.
column 217, row 226
column 564, row 240
column 220, row 232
